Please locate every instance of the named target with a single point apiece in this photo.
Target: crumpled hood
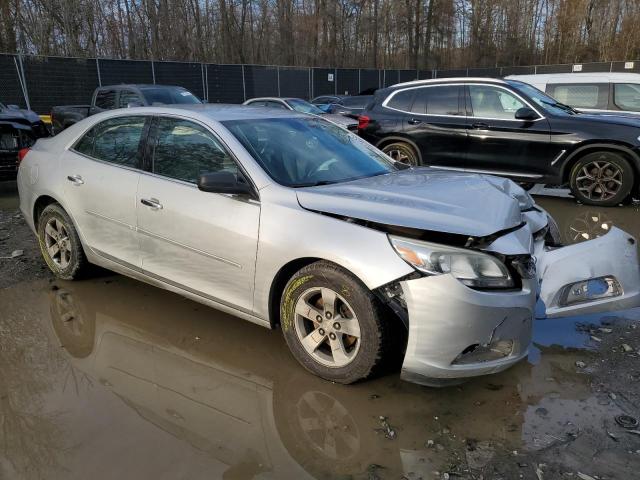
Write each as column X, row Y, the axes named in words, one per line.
column 426, row 199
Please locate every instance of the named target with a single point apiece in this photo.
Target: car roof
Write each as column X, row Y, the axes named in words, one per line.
column 276, row 99
column 140, row 86
column 417, row 83
column 584, row 77
column 220, row 111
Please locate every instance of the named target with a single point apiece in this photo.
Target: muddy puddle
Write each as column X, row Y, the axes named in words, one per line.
column 111, row 378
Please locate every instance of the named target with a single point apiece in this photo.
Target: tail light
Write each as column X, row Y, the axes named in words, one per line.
column 21, row 154
column 363, row 122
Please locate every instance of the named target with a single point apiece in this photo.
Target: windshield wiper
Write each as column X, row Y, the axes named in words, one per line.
column 314, row 184
column 561, row 106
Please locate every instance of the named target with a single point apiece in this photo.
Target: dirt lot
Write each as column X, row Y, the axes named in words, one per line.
column 111, row 378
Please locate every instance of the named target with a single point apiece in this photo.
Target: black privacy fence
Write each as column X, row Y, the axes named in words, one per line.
column 39, row 82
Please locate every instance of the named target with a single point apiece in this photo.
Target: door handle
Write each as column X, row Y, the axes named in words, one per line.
column 414, row 121
column 154, row 203
column 75, row 179
column 480, row 126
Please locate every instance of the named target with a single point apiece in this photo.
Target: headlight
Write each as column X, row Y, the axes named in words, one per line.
column 474, row 269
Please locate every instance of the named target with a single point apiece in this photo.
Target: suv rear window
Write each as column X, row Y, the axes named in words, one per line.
column 583, row 95
column 402, row 100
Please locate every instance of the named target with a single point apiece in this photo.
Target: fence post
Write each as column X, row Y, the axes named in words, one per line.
column 204, row 83
column 244, row 86
column 310, row 84
column 153, row 72
column 359, row 81
column 22, row 79
column 278, row 74
column 335, row 81
column 98, row 72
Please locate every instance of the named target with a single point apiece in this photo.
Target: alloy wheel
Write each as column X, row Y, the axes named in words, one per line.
column 327, row 327
column 57, row 243
column 599, row 180
column 400, row 154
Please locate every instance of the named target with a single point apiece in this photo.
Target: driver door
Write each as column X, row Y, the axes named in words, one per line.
column 203, row 242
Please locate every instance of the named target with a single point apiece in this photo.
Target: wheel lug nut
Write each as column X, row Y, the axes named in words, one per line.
column 328, row 315
column 319, row 319
column 336, row 326
column 332, row 336
column 321, row 331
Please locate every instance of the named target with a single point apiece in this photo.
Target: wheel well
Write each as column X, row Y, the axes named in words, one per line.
column 41, row 203
column 280, row 281
column 630, row 157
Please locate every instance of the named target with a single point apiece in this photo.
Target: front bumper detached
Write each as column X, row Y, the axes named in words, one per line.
column 457, row 332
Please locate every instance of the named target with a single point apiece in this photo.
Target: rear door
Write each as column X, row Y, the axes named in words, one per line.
column 433, row 117
column 501, row 144
column 101, row 173
column 199, row 241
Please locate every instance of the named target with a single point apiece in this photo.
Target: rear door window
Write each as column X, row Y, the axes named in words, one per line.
column 581, row 95
column 439, row 100
column 106, row 99
column 185, row 150
column 116, row 140
column 626, row 96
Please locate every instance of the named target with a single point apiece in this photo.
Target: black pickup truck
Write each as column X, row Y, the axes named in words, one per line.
column 120, row 96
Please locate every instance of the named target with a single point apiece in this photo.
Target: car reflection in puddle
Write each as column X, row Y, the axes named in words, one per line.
column 149, row 384
column 165, row 385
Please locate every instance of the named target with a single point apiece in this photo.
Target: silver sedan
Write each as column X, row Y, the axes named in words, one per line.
column 285, row 219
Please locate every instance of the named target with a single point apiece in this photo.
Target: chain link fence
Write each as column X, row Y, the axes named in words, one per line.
column 39, row 82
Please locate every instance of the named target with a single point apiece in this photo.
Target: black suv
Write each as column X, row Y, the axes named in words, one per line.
column 506, row 128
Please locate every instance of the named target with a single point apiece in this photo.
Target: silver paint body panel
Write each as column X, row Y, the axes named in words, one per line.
column 226, row 251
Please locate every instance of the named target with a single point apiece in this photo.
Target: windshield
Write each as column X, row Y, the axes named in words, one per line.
column 303, row 106
column 169, row 96
column 302, row 152
column 541, row 99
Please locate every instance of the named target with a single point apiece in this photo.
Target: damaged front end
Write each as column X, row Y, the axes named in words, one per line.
column 458, row 329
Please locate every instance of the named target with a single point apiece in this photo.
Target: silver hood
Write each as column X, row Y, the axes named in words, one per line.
column 426, row 199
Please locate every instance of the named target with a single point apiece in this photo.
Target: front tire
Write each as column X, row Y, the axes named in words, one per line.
column 334, row 326
column 601, row 178
column 60, row 244
column 402, row 152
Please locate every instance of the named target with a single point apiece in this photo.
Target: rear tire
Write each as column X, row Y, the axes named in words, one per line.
column 601, row 178
column 60, row 244
column 402, row 152
column 350, row 339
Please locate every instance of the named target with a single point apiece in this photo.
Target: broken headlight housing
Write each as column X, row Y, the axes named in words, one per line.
column 474, row 269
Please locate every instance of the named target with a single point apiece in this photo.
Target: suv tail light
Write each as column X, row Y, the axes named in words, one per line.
column 363, row 122
column 22, row 153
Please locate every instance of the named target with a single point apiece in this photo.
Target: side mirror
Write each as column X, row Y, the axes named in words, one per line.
column 134, row 105
column 526, row 113
column 224, row 182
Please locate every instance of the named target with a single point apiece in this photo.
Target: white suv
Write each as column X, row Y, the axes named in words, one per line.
column 606, row 92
